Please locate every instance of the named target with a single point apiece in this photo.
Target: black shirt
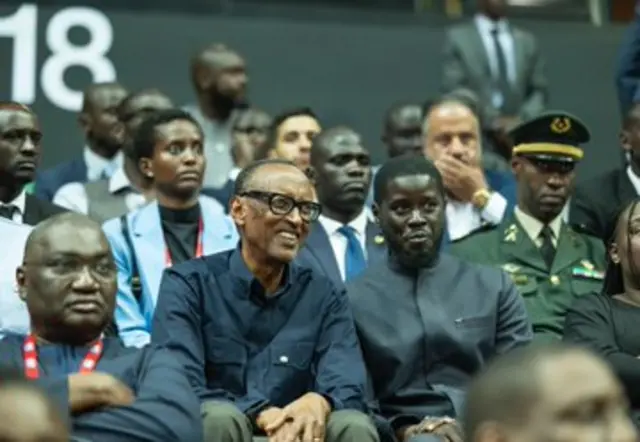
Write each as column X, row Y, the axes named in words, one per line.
column 180, row 229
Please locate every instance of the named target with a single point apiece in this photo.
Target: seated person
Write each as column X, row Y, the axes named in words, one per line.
column 543, row 393
column 605, row 320
column 419, row 298
column 106, row 392
column 453, row 141
column 269, row 347
column 181, row 224
column 550, row 263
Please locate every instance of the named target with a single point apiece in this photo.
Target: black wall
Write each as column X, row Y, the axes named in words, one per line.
column 348, row 72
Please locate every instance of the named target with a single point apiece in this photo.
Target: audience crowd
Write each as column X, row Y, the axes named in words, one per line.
column 215, row 273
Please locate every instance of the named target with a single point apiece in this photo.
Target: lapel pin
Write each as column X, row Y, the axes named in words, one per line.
column 378, row 239
column 510, row 268
column 587, row 265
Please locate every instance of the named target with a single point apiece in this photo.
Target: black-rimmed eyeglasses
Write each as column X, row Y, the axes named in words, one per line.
column 282, row 205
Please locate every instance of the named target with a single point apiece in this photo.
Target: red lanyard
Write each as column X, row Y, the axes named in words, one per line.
column 31, row 370
column 199, row 249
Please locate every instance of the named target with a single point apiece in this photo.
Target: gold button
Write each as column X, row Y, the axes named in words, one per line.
column 555, row 280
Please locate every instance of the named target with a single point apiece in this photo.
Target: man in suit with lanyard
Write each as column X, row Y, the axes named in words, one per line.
column 343, row 239
column 20, row 137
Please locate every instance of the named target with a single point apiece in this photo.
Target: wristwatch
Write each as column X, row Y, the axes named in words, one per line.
column 480, row 198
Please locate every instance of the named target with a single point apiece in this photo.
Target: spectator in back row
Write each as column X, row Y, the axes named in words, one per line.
column 462, row 313
column 127, row 189
column 291, row 136
column 101, row 156
column 105, row 391
column 219, row 77
column 550, row 263
column 343, row 240
column 20, row 151
column 180, row 225
column 269, row 346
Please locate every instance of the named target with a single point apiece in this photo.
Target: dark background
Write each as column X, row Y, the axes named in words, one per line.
column 348, row 67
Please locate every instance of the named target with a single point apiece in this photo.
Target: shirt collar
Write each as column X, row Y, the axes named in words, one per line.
column 19, row 201
column 533, row 227
column 233, row 174
column 486, row 25
column 635, row 180
column 359, row 224
column 240, row 270
column 119, row 181
column 97, row 164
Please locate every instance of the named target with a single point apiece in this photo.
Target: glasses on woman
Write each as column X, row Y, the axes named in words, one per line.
column 282, row 205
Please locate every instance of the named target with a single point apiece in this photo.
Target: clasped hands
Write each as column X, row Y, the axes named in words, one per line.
column 444, row 427
column 460, row 180
column 303, row 420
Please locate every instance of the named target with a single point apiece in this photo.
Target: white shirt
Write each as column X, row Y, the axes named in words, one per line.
column 20, row 203
column 73, row 196
column 339, row 242
column 99, row 167
column 13, row 312
column 635, row 180
column 464, row 218
column 233, row 175
column 505, row 40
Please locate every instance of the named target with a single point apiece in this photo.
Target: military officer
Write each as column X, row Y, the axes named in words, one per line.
column 550, row 262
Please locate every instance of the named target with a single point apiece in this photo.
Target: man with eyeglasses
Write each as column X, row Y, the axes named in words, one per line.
column 105, row 392
column 550, row 263
column 270, row 347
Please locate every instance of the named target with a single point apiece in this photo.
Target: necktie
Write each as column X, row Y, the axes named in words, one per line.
column 7, row 211
column 354, row 260
column 547, row 249
column 502, row 74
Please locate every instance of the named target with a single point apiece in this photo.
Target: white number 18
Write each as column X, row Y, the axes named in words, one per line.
column 22, row 28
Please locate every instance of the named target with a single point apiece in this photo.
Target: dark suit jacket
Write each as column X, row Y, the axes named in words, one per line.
column 49, row 181
column 223, row 195
column 36, row 210
column 317, row 252
column 628, row 66
column 597, row 202
column 466, row 65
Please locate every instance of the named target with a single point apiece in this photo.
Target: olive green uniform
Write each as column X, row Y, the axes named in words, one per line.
column 577, row 269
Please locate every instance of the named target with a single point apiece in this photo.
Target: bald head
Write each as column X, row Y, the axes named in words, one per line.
column 15, row 106
column 27, row 415
column 63, row 224
column 219, row 73
column 450, row 110
column 531, row 377
column 402, row 132
column 330, row 140
column 100, row 96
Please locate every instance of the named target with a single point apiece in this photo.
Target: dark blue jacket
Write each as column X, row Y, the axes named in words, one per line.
column 165, row 407
column 50, row 180
column 238, row 345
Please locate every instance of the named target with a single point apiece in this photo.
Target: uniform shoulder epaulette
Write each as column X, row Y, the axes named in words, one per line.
column 483, row 228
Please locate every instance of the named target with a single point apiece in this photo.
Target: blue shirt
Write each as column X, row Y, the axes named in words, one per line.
column 238, row 345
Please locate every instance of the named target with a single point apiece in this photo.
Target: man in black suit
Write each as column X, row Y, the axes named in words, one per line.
column 20, row 137
column 343, row 239
column 596, row 202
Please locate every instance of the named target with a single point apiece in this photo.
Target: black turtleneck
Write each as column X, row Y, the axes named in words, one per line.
column 180, row 228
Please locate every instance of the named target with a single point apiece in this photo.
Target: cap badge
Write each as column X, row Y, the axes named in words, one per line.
column 561, row 125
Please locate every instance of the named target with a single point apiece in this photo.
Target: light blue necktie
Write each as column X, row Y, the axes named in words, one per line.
column 354, row 260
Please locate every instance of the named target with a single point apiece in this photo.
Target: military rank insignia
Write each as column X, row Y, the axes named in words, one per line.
column 582, row 272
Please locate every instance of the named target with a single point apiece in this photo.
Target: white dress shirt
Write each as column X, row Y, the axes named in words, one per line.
column 505, row 39
column 99, row 167
column 73, row 196
column 19, row 203
column 233, row 175
column 13, row 312
column 464, row 218
column 635, row 180
column 339, row 242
